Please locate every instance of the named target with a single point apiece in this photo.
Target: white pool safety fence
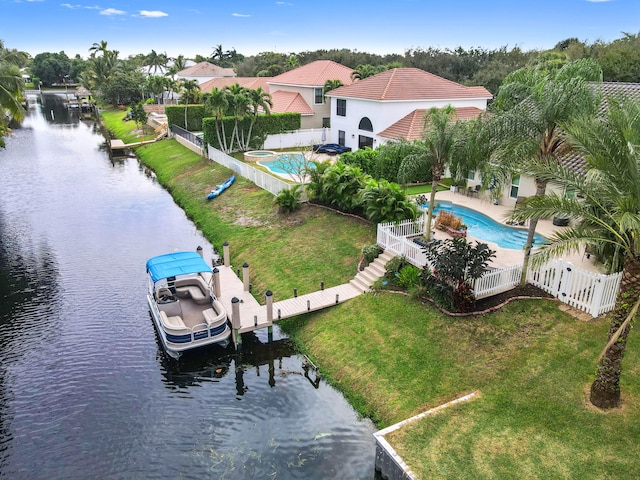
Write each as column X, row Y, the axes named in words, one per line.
column 587, row 291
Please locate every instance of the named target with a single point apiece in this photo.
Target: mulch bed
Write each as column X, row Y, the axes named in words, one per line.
column 528, row 291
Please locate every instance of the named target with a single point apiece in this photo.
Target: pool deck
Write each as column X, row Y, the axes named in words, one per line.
column 507, row 257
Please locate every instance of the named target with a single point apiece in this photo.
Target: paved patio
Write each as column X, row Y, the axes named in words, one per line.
column 507, row 257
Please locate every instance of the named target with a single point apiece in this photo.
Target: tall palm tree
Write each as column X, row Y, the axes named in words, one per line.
column 239, row 107
column 190, row 94
column 437, row 152
column 217, row 102
column 530, row 106
column 606, row 210
column 259, row 100
column 98, row 48
column 157, row 61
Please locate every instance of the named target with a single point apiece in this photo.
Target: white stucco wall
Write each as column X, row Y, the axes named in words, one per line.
column 382, row 115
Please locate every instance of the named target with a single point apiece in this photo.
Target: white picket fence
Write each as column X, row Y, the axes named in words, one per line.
column 260, row 178
column 591, row 292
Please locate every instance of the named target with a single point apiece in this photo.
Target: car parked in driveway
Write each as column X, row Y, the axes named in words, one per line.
column 330, row 148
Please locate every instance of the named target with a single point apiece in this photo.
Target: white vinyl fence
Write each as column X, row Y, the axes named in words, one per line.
column 297, row 138
column 591, row 292
column 260, row 178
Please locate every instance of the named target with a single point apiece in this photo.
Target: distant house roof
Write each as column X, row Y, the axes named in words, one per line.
column 408, row 84
column 247, row 82
column 206, row 69
column 411, row 126
column 287, row 102
column 315, row 74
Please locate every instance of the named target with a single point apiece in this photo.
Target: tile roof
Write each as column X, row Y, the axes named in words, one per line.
column 223, row 82
column 575, row 161
column 411, row 126
column 315, row 74
column 206, row 69
column 408, row 84
column 286, row 102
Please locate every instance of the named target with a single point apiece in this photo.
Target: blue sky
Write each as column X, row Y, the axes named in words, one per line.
column 191, row 27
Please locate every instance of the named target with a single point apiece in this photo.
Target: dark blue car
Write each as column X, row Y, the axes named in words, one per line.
column 330, row 148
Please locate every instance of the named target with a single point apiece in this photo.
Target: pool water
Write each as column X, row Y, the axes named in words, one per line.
column 484, row 228
column 291, row 163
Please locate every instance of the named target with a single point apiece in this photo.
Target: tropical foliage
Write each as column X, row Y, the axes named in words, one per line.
column 530, row 108
column 606, row 213
column 453, row 265
column 288, row 200
column 11, row 88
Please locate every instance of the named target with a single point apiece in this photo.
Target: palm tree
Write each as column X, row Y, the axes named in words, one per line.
column 98, row 47
column 218, row 102
column 156, row 61
column 292, row 62
column 11, row 88
column 364, row 71
column 191, row 93
column 437, row 152
column 606, row 209
column 258, row 100
column 179, row 62
column 530, row 106
column 239, row 107
column 331, row 85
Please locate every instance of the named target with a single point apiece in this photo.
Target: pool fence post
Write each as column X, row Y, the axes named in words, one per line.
column 245, row 276
column 235, row 323
column 216, row 282
column 200, row 252
column 225, row 254
column 269, row 305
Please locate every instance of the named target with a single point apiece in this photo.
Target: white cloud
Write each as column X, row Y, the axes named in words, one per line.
column 112, row 11
column 243, row 15
column 284, row 4
column 153, row 13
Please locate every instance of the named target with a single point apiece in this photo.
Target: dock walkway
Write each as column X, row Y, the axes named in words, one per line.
column 254, row 316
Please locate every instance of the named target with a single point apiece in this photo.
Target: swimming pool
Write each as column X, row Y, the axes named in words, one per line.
column 291, row 163
column 484, row 228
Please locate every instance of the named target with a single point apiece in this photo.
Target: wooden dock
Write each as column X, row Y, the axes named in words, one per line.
column 253, row 316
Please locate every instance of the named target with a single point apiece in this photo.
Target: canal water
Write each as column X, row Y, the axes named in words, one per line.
column 86, row 391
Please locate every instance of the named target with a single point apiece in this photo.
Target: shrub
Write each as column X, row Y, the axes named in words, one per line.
column 408, row 277
column 288, row 200
column 393, row 268
column 448, row 219
column 370, row 253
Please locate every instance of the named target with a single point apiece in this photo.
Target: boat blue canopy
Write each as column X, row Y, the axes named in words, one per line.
column 174, row 264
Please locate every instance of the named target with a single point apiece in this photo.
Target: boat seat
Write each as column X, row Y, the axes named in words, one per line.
column 194, row 288
column 164, row 295
column 174, row 322
column 211, row 316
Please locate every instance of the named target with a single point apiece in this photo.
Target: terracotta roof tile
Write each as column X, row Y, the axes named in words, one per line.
column 408, row 84
column 286, row 102
column 206, row 69
column 315, row 74
column 411, row 126
column 223, row 82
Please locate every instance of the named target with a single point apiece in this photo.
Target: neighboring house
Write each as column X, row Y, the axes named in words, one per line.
column 525, row 186
column 302, row 90
column 391, row 105
column 204, row 71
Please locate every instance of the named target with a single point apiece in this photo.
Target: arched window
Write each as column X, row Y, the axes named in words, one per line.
column 365, row 124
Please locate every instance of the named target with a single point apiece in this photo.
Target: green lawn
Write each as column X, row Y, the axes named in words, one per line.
column 394, row 357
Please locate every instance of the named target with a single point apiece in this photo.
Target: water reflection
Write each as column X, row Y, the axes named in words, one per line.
column 85, row 387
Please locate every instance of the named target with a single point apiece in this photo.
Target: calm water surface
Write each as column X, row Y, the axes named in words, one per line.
column 85, row 389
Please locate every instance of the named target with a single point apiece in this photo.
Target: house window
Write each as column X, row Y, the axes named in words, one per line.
column 471, row 175
column 319, row 96
column 326, row 122
column 515, row 186
column 341, row 107
column 365, row 124
column 341, row 136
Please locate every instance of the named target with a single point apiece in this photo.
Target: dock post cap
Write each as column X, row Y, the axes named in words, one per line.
column 245, row 265
column 225, row 244
column 268, row 293
column 215, row 270
column 235, row 300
